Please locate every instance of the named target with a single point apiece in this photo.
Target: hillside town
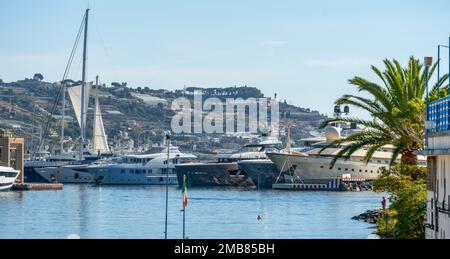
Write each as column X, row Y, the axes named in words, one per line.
column 132, row 116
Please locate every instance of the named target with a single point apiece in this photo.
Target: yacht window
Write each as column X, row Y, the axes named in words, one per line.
column 339, row 169
column 346, row 169
column 321, row 166
column 251, row 149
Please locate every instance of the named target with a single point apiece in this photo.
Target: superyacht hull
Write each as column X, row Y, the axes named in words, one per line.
column 76, row 174
column 212, row 174
column 32, row 169
column 121, row 176
column 263, row 173
column 316, row 169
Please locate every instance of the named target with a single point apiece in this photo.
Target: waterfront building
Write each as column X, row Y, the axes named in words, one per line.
column 438, row 151
column 11, row 153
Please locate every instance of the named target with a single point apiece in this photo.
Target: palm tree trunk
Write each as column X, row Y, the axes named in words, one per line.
column 408, row 157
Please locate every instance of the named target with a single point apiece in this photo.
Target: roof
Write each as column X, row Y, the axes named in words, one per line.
column 434, row 152
column 7, row 169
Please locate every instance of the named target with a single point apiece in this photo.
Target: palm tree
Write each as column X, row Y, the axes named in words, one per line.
column 397, row 108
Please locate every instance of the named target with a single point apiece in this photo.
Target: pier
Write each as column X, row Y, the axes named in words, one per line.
column 37, row 187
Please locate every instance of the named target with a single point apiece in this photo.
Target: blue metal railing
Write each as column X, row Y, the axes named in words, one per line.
column 439, row 114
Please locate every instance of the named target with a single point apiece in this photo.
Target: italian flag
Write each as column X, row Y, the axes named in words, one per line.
column 184, row 191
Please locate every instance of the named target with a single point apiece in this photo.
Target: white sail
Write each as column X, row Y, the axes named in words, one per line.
column 75, row 98
column 100, row 141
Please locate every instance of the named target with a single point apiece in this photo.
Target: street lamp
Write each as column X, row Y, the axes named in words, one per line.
column 428, row 61
column 439, row 64
column 168, row 136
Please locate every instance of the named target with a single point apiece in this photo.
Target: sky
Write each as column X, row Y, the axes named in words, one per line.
column 305, row 51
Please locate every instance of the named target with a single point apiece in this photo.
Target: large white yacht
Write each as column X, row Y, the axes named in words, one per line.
column 264, row 172
column 71, row 173
column 225, row 170
column 35, row 171
column 314, row 167
column 141, row 169
column 8, row 177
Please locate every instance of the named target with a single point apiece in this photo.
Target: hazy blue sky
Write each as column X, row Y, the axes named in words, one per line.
column 303, row 50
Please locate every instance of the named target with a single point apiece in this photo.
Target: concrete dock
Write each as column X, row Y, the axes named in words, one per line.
column 37, row 187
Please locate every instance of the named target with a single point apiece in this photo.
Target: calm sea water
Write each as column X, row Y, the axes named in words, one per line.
column 139, row 212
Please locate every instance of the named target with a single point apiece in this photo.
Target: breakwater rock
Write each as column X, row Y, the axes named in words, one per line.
column 356, row 186
column 370, row 216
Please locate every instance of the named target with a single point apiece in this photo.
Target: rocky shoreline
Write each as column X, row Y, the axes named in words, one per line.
column 370, row 216
column 356, row 187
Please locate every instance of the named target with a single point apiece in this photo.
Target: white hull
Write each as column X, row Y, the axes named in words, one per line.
column 8, row 177
column 126, row 175
column 67, row 174
column 6, row 187
column 317, row 169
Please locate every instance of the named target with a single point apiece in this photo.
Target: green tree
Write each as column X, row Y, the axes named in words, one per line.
column 38, row 77
column 407, row 186
column 397, row 107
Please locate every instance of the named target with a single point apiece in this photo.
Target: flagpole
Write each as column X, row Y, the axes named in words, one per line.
column 184, row 223
column 185, row 203
column 167, row 181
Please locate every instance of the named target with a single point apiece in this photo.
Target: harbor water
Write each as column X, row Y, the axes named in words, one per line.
column 90, row 212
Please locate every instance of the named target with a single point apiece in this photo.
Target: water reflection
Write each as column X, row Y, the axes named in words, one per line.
column 138, row 212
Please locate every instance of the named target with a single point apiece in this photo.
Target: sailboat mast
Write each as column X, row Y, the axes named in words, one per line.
column 94, row 132
column 63, row 116
column 83, row 87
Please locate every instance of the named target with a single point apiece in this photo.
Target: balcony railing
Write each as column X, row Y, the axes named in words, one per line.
column 439, row 115
column 428, row 225
column 443, row 207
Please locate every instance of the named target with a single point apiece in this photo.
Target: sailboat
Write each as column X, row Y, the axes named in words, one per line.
column 79, row 96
